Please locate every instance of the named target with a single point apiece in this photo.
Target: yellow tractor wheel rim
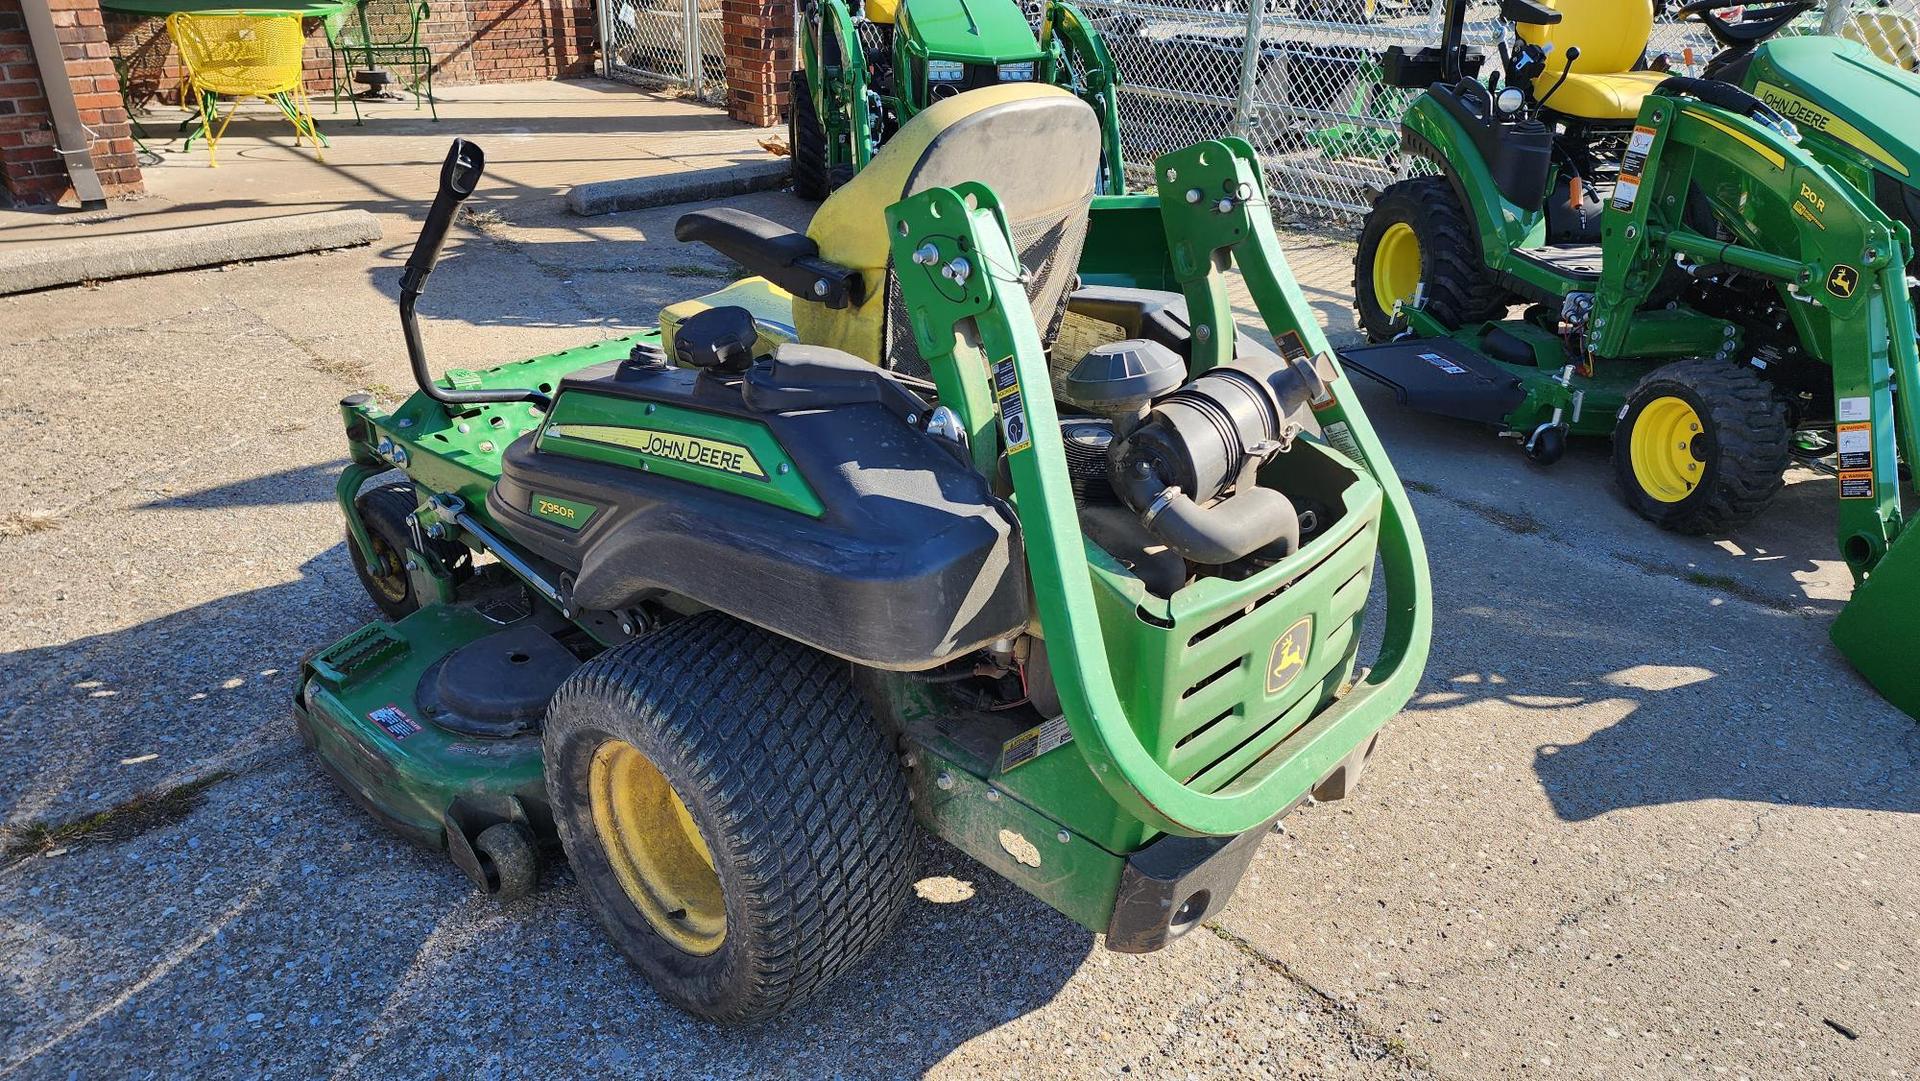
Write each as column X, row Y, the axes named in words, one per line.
column 1396, row 266
column 1667, row 449
column 655, row 849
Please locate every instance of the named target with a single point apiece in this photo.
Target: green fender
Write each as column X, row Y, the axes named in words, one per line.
column 1430, row 131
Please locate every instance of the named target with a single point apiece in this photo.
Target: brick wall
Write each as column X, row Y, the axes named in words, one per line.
column 758, row 37
column 30, row 168
column 472, row 41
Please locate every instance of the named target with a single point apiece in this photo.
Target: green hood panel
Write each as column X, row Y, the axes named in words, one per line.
column 1839, row 87
column 981, row 31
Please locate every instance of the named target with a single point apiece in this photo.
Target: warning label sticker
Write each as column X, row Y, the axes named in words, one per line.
column 1856, row 485
column 1627, row 188
column 1033, row 743
column 1854, row 409
column 1340, row 438
column 394, row 721
column 1443, row 364
column 1292, row 346
column 1855, row 443
column 1013, row 408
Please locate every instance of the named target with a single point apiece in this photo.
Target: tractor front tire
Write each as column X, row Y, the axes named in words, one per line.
column 1701, row 445
column 807, row 140
column 1418, row 235
column 737, row 821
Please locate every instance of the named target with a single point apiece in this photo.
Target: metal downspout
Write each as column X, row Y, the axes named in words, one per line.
column 70, row 135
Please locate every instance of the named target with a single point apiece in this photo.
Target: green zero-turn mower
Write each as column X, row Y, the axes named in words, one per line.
column 1065, row 568
column 868, row 66
column 1706, row 280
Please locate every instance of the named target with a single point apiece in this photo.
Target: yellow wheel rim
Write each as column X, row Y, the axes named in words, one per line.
column 1668, row 450
column 392, row 585
column 1396, row 266
column 655, row 849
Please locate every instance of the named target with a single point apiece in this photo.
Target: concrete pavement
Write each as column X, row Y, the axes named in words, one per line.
column 1641, row 820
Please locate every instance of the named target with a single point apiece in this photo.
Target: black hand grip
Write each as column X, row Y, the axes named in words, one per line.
column 459, row 175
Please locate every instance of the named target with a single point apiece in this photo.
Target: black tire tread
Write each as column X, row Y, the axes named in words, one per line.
column 807, row 141
column 1459, row 287
column 777, row 746
column 1754, row 439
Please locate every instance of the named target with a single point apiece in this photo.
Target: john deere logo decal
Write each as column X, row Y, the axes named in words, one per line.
column 1842, row 280
column 673, row 446
column 1289, row 656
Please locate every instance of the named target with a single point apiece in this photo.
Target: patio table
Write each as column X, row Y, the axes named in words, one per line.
column 310, row 9
column 306, row 9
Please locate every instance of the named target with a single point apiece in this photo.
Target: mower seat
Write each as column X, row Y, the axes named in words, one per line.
column 1037, row 146
column 1612, row 38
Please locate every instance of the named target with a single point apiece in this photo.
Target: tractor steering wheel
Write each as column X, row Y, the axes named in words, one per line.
column 1755, row 26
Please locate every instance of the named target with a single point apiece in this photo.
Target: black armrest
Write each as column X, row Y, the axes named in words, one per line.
column 784, row 257
column 1528, row 11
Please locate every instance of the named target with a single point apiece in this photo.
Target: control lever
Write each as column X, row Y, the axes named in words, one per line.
column 459, row 176
column 1573, row 53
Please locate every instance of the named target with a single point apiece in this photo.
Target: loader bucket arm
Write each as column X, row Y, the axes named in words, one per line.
column 1839, row 263
column 1095, row 78
column 836, row 75
column 981, row 330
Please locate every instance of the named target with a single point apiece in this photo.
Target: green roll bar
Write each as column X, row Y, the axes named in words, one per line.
column 973, row 323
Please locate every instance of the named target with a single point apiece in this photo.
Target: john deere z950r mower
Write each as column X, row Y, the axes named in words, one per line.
column 868, row 66
column 1703, row 279
column 1020, row 540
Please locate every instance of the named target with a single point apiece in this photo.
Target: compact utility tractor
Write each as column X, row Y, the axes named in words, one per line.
column 866, row 67
column 1708, row 283
column 972, row 507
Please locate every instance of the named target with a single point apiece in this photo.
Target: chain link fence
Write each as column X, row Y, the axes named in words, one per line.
column 1300, row 80
column 674, row 43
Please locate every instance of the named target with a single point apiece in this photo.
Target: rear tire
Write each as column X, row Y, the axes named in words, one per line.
column 1425, row 213
column 779, row 841
column 1701, row 445
column 808, row 141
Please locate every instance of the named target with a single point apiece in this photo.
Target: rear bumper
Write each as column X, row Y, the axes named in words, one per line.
column 1176, row 883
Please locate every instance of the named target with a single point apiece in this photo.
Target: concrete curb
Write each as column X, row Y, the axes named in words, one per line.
column 27, row 267
column 608, row 196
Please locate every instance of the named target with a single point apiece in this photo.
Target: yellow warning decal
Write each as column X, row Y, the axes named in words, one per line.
column 672, row 446
column 1808, row 115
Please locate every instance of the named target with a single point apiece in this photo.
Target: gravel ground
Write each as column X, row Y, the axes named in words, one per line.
column 1641, row 819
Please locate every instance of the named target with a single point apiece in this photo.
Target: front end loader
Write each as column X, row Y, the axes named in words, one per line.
column 971, row 507
column 1703, row 281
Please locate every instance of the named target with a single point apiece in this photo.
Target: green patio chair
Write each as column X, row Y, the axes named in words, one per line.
column 381, row 33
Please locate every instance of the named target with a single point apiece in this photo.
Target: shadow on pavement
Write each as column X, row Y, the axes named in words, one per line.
column 277, row 874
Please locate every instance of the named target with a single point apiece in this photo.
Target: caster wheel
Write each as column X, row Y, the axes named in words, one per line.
column 508, row 857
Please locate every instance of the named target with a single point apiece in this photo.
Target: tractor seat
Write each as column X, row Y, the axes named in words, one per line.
column 1037, row 146
column 1613, row 96
column 1612, row 38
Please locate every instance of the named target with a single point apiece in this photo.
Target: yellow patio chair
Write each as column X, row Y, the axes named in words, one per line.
column 244, row 56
